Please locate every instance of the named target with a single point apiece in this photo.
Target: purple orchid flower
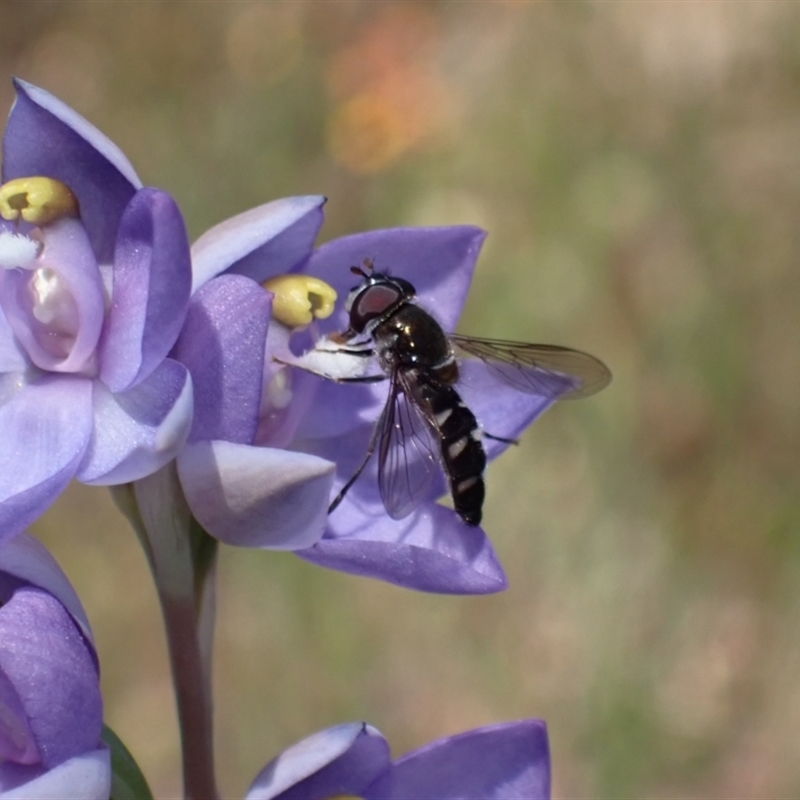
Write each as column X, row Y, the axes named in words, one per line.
column 509, row 761
column 243, row 494
column 269, row 422
column 432, row 549
column 92, row 298
column 52, row 712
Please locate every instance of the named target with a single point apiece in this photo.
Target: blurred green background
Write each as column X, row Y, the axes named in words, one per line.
column 638, row 168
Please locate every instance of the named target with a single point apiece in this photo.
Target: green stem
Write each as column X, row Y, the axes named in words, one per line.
column 182, row 559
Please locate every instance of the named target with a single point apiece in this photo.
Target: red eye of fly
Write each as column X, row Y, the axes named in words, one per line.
column 371, row 303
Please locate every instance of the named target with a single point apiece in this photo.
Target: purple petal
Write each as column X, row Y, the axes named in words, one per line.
column 12, row 358
column 286, row 401
column 68, row 253
column 222, row 344
column 339, row 761
column 44, row 431
column 262, row 242
column 509, row 761
column 46, row 137
column 256, row 496
column 85, row 777
column 52, row 668
column 152, row 276
column 336, row 409
column 17, row 742
column 500, row 409
column 25, row 558
column 138, row 431
column 437, row 261
column 431, row 550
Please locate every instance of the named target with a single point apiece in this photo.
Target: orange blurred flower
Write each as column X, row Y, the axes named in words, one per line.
column 389, row 92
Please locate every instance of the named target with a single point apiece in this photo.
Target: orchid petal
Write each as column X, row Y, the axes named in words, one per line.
column 342, row 760
column 431, row 550
column 264, row 241
column 500, row 410
column 138, row 431
column 84, row 777
column 17, row 742
column 337, row 408
column 437, row 261
column 349, row 451
column 50, row 422
column 46, row 137
column 256, row 496
column 53, row 670
column 222, row 344
column 67, row 254
column 11, row 355
column 25, row 558
column 152, row 276
column 509, row 761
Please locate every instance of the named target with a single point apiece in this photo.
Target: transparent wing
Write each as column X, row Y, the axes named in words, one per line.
column 408, row 460
column 542, row 369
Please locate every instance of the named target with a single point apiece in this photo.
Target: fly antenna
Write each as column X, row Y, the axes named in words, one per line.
column 367, row 271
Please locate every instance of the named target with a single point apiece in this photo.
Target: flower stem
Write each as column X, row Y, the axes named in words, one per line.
column 182, row 558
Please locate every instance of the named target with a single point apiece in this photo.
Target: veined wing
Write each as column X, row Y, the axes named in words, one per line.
column 543, row 369
column 408, row 456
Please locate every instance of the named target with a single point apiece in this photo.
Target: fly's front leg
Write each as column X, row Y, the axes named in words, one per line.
column 341, row 365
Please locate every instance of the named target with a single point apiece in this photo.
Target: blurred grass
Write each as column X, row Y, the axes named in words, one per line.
column 637, row 167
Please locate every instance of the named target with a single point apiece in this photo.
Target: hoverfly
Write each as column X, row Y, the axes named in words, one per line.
column 424, row 424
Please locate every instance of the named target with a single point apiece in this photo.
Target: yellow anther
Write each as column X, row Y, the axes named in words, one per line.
column 37, row 200
column 299, row 299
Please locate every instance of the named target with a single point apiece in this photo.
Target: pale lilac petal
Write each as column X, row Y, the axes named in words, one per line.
column 46, row 137
column 431, row 550
column 45, row 428
column 339, row 761
column 25, row 558
column 53, row 671
column 222, row 344
column 17, row 742
column 437, row 261
column 11, row 355
column 84, row 777
column 256, row 496
column 337, row 408
column 138, row 431
column 68, row 253
column 152, row 276
column 509, row 761
column 264, row 241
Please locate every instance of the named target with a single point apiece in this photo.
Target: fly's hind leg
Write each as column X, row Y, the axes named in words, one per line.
column 499, row 438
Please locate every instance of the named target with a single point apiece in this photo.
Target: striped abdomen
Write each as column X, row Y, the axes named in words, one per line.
column 463, row 456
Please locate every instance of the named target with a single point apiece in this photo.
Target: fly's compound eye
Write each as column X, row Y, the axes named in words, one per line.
column 371, row 303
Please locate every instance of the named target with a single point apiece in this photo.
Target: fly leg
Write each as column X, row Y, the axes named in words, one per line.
column 500, row 438
column 313, row 370
column 373, row 442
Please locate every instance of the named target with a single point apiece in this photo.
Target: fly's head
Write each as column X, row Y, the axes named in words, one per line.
column 377, row 296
